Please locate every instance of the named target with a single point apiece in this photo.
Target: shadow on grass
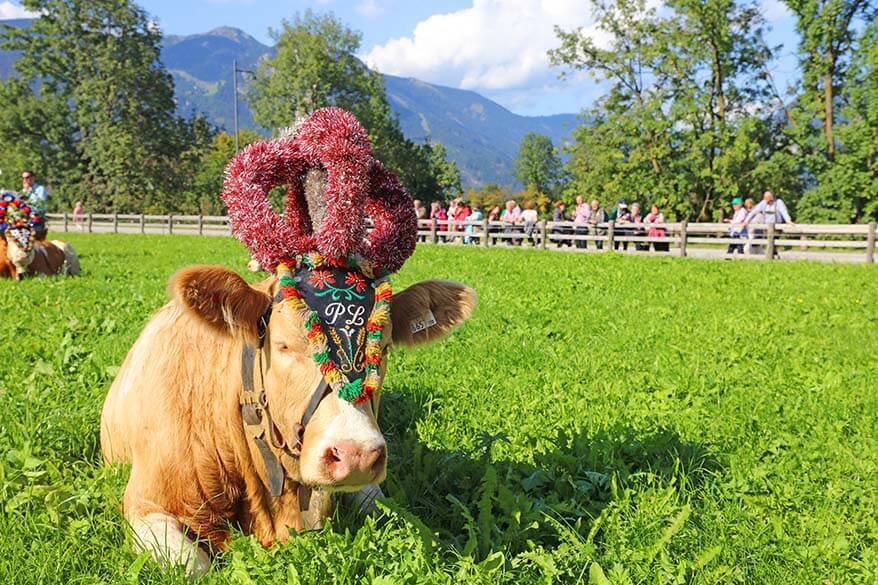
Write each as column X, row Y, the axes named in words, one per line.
column 478, row 505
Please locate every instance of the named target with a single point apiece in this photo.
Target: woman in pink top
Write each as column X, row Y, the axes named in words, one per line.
column 655, row 219
column 581, row 215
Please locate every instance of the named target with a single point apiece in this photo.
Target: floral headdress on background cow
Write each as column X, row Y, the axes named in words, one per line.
column 21, row 220
column 327, row 265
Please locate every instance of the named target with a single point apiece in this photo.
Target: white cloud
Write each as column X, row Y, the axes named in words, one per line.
column 492, row 45
column 370, row 8
column 774, row 10
column 9, row 10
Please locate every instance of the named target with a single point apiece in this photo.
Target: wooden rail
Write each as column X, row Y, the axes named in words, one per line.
column 846, row 243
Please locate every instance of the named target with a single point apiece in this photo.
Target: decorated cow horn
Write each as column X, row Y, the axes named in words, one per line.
column 328, row 268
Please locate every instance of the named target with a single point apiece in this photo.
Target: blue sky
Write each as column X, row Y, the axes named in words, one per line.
column 495, row 47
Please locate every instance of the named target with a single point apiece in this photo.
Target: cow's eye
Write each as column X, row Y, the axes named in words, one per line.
column 281, row 346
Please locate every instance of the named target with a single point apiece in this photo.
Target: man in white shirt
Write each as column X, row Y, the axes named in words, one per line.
column 774, row 210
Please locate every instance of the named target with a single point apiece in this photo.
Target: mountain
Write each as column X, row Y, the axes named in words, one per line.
column 481, row 136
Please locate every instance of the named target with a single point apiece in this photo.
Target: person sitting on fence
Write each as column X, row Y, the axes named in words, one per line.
column 656, row 220
column 475, row 215
column 559, row 215
column 638, row 231
column 738, row 229
column 595, row 218
column 511, row 217
column 581, row 214
column 621, row 218
column 78, row 215
column 530, row 218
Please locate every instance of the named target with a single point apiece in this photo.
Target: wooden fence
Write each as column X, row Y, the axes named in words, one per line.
column 846, row 243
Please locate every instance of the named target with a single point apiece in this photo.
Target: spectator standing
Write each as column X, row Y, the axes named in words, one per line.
column 621, row 218
column 581, row 215
column 421, row 214
column 597, row 217
column 452, row 212
column 439, row 214
column 737, row 229
column 559, row 214
column 656, row 220
column 37, row 197
column 752, row 232
column 78, row 215
column 493, row 218
column 461, row 214
column 772, row 209
column 511, row 217
column 530, row 218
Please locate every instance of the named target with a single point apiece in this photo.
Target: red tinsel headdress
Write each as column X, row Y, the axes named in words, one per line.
column 335, row 275
column 357, row 185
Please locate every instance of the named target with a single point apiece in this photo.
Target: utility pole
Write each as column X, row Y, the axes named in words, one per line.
column 235, row 72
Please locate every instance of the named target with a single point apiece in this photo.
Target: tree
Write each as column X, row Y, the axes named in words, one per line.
column 207, row 168
column 91, row 71
column 538, row 166
column 447, row 173
column 828, row 31
column 316, row 66
column 678, row 126
column 847, row 190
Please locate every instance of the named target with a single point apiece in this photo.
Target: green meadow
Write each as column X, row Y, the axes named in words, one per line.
column 601, row 419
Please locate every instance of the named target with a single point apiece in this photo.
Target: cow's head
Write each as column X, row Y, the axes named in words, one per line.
column 20, row 247
column 342, row 445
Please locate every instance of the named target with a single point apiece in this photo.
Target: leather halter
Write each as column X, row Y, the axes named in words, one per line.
column 257, row 419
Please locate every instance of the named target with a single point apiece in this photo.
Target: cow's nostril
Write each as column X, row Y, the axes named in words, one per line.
column 331, row 456
column 380, row 460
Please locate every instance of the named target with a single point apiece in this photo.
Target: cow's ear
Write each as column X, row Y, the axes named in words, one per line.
column 219, row 298
column 429, row 310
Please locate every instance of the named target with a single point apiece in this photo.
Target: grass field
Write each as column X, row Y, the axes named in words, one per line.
column 601, row 419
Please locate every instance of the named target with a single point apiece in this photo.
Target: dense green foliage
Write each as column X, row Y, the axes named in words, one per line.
column 694, row 117
column 538, row 166
column 716, row 425
column 316, row 66
column 92, row 110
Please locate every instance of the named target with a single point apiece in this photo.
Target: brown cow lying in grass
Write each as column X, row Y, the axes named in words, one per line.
column 29, row 257
column 174, row 412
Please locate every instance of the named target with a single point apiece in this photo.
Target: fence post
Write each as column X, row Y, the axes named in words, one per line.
column 434, row 229
column 200, row 224
column 544, row 232
column 142, row 224
column 611, row 235
column 870, row 243
column 485, row 230
column 769, row 249
column 684, row 237
column 89, row 222
column 115, row 223
column 170, row 224
column 65, row 221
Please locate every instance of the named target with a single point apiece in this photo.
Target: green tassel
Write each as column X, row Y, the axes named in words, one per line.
column 321, row 357
column 287, row 280
column 352, row 390
column 313, row 319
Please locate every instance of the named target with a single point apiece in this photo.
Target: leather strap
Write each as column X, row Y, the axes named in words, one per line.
column 257, row 419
